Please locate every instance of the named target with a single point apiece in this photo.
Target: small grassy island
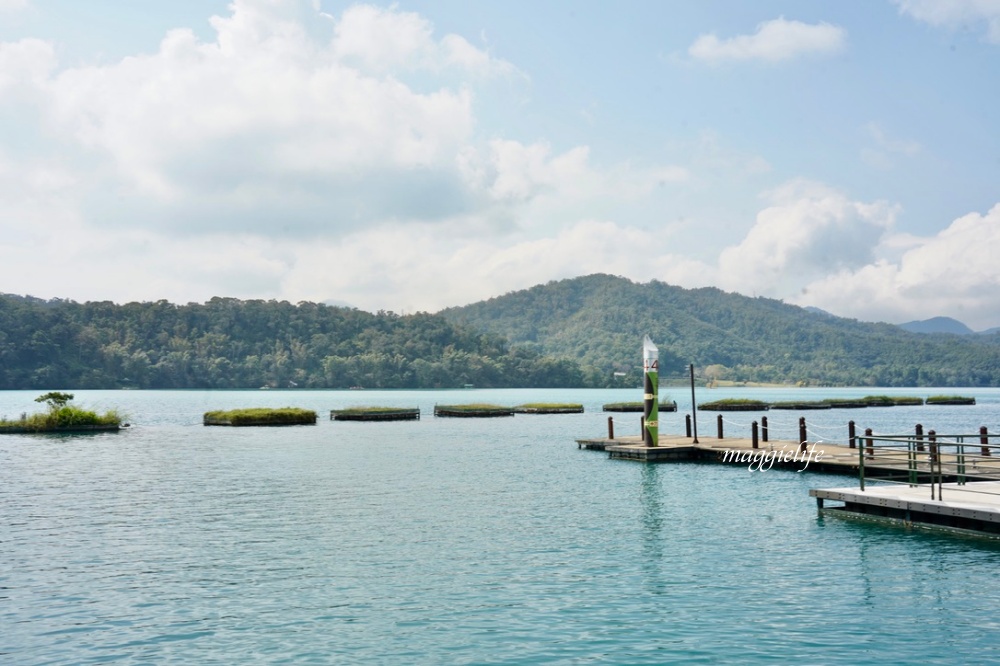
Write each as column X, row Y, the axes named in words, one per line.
column 734, row 405
column 549, row 408
column 261, row 416
column 62, row 418
column 375, row 414
column 950, row 400
column 801, row 404
column 638, row 406
column 474, row 410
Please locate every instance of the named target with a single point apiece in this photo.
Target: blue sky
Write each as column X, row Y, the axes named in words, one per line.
column 418, row 155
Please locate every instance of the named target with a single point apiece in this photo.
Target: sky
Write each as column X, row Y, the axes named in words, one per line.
column 424, row 154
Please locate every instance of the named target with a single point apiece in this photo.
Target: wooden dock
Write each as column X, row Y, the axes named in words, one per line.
column 972, row 508
column 964, row 498
column 820, row 456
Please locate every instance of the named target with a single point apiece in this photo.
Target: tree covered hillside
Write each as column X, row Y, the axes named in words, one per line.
column 229, row 343
column 599, row 320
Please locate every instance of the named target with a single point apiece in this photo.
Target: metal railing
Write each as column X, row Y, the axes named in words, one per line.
column 930, row 460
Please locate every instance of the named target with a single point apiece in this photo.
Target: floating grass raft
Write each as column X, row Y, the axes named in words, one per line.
column 847, row 403
column 62, row 418
column 800, row 405
column 950, row 400
column 638, row 406
column 261, row 416
column 474, row 410
column 734, row 405
column 549, row 408
column 375, row 414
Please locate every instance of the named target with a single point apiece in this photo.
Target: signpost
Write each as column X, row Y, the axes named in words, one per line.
column 651, row 402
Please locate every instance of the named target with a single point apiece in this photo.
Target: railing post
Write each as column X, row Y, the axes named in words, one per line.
column 932, row 443
column 763, row 428
column 920, row 437
column 861, row 466
column 753, row 435
column 869, row 444
column 719, row 421
column 611, row 428
column 687, row 424
column 851, row 434
column 984, row 441
column 802, row 433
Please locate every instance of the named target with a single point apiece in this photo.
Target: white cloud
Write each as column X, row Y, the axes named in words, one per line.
column 774, row 40
column 952, row 273
column 808, row 231
column 955, row 14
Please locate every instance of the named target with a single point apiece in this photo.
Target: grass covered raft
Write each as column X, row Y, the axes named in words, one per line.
column 473, row 410
column 261, row 416
column 549, row 408
column 62, row 417
column 638, row 406
column 375, row 414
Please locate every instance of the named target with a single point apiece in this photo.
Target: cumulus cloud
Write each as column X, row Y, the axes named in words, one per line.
column 809, row 230
column 955, row 14
column 952, row 273
column 774, row 40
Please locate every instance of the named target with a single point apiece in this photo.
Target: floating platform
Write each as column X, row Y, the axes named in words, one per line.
column 61, row 430
column 638, row 407
column 467, row 411
column 376, row 414
column 549, row 409
column 968, row 508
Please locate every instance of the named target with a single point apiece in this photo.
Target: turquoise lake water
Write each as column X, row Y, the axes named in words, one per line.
column 464, row 541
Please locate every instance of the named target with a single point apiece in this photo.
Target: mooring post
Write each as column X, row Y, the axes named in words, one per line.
column 802, row 433
column 869, row 444
column 611, row 428
column 718, row 420
column 763, row 428
column 850, row 434
column 753, row 435
column 687, row 424
column 984, row 440
column 932, row 440
column 920, row 437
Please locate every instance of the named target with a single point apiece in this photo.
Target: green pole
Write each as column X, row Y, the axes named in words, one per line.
column 651, row 385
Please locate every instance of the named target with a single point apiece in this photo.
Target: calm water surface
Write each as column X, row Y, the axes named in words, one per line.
column 462, row 541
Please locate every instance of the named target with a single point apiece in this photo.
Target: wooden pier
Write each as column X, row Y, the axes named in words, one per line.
column 954, row 486
column 972, row 508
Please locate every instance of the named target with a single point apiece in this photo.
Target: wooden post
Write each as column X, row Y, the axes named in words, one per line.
column 763, row 428
column 687, row 424
column 920, row 437
column 870, row 444
column 753, row 435
column 802, row 433
column 611, row 428
column 932, row 440
column 984, row 441
column 719, row 421
column 851, row 434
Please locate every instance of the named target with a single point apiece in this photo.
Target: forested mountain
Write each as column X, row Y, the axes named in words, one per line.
column 228, row 343
column 599, row 320
column 937, row 325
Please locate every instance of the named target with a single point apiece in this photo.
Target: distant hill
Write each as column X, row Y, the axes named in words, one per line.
column 229, row 343
column 599, row 320
column 937, row 325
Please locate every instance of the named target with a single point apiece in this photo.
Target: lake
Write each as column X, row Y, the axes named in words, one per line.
column 465, row 540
